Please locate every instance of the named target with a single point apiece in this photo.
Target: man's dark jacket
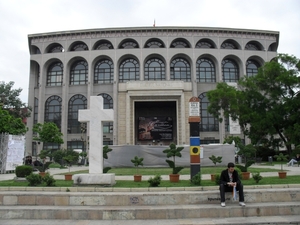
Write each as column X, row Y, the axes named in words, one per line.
column 224, row 178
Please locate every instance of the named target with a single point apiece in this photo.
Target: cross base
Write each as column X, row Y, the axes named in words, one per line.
column 106, row 179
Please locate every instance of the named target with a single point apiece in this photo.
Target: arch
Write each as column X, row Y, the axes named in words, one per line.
column 273, row 47
column 254, row 46
column 154, row 69
column 205, row 43
column 103, row 45
column 205, row 70
column 129, row 70
column 230, row 44
column 54, row 47
column 53, row 110
column 79, row 72
column 180, row 43
column 108, row 102
column 230, row 70
column 128, row 43
column 76, row 102
column 34, row 50
column 104, row 71
column 208, row 122
column 55, row 74
column 78, row 46
column 180, row 69
column 154, row 43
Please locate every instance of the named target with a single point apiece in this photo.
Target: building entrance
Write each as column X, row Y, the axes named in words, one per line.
column 155, row 122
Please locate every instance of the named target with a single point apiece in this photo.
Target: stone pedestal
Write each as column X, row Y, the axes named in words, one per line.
column 105, row 179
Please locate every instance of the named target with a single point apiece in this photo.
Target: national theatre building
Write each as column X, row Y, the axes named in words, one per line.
column 146, row 74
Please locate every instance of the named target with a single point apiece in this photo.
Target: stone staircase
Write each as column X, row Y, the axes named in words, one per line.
column 145, row 204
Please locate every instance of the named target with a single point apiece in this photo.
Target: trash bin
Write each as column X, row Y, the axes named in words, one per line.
column 270, row 159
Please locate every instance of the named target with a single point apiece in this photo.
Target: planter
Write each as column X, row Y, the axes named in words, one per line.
column 245, row 175
column 68, row 176
column 282, row 174
column 174, row 177
column 213, row 177
column 137, row 178
column 42, row 174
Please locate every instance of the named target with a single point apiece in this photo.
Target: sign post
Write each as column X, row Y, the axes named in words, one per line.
column 194, row 120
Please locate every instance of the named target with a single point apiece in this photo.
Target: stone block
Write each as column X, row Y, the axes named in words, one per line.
column 94, row 179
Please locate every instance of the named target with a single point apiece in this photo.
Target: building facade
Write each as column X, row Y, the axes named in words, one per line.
column 146, row 74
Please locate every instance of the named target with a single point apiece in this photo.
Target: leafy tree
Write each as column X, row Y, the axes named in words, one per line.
column 10, row 124
column 266, row 105
column 48, row 133
column 12, row 102
column 172, row 152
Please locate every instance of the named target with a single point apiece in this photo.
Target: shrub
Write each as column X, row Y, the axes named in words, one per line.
column 34, row 179
column 54, row 165
column 217, row 179
column 154, row 182
column 257, row 177
column 23, row 171
column 196, row 179
column 49, row 180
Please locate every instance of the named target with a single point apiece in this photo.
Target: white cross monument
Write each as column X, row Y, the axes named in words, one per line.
column 95, row 116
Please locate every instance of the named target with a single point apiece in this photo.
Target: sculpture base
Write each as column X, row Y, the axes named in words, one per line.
column 105, row 179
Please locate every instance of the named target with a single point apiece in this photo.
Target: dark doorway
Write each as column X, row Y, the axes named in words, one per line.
column 155, row 122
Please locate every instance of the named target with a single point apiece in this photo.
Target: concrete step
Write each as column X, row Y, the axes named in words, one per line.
column 157, row 198
column 158, row 212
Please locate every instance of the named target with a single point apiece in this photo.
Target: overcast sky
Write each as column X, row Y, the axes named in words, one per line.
column 18, row 18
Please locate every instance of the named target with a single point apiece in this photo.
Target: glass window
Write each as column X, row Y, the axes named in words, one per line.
column 107, row 101
column 154, row 44
column 205, row 44
column 56, row 48
column 155, row 69
column 251, row 68
column 228, row 45
column 208, row 122
column 104, row 72
column 107, row 127
column 230, row 71
column 252, row 46
column 129, row 70
column 79, row 73
column 129, row 44
column 76, row 145
column 53, row 110
column 205, row 71
column 55, row 74
column 180, row 70
column 179, row 44
column 104, row 45
column 76, row 102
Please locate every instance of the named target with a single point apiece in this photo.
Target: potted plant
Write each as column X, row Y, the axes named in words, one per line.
column 43, row 155
column 247, row 151
column 137, row 162
column 173, row 151
column 281, row 158
column 70, row 157
column 215, row 160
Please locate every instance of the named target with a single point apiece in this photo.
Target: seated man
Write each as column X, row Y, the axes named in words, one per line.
column 228, row 179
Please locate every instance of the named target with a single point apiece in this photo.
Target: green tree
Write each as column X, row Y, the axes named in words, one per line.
column 10, row 124
column 266, row 105
column 48, row 133
column 12, row 102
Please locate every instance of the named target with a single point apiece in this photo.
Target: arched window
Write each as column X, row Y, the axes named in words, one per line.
column 55, row 74
column 104, row 45
column 75, row 103
column 230, row 71
column 229, row 45
column 129, row 44
column 53, row 110
column 252, row 46
column 208, row 122
column 79, row 73
column 129, row 70
column 205, row 70
column 107, row 101
column 155, row 69
column 205, row 43
column 154, row 43
column 179, row 43
column 56, row 48
column 79, row 47
column 104, row 72
column 180, row 70
column 251, row 68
